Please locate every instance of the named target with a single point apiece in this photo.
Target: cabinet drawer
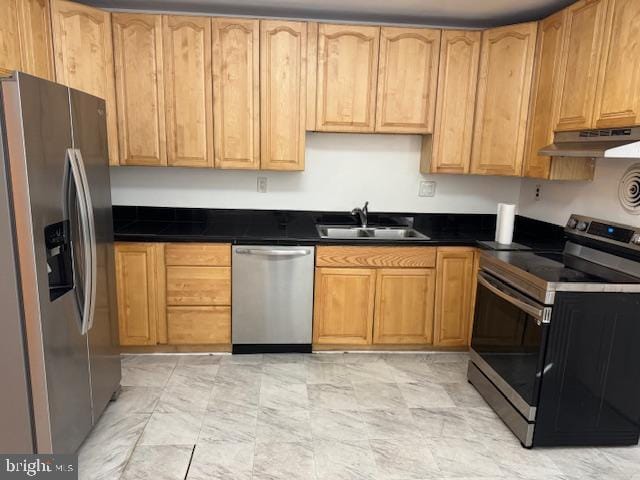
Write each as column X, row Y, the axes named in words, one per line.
column 208, row 255
column 418, row 257
column 198, row 286
column 199, row 325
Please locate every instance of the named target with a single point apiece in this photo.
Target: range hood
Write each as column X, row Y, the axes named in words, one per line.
column 606, row 143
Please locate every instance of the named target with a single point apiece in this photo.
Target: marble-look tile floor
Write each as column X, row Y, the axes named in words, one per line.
column 369, row 416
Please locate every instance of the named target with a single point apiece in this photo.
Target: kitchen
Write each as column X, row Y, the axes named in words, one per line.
column 260, row 240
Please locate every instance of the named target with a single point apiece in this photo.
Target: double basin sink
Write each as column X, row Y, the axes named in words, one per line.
column 369, row 233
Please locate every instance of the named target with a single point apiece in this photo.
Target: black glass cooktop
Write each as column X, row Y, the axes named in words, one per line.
column 560, row 268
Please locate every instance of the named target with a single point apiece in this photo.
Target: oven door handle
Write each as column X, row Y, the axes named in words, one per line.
column 495, row 286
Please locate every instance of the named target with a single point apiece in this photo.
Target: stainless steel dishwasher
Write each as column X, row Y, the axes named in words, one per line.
column 272, row 297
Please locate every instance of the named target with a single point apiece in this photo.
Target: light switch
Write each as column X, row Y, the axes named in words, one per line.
column 262, row 185
column 427, row 189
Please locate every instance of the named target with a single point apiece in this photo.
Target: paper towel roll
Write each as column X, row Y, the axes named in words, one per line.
column 504, row 223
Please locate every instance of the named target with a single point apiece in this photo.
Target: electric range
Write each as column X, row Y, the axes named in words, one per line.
column 555, row 336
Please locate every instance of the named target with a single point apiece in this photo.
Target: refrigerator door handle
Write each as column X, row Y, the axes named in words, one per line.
column 92, row 245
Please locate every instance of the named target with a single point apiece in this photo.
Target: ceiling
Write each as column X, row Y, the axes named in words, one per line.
column 450, row 13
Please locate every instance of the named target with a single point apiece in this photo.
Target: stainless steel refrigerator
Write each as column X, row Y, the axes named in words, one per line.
column 59, row 362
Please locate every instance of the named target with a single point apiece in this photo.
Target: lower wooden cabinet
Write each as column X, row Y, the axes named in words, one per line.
column 175, row 294
column 404, row 306
column 455, row 295
column 140, row 302
column 344, row 302
column 198, row 325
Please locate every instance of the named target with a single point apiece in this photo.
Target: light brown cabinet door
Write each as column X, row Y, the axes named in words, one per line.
column 199, row 325
column 407, row 79
column 83, row 53
column 283, row 94
column 137, row 43
column 618, row 92
column 188, row 90
column 543, row 110
column 449, row 149
column 32, row 20
column 455, row 286
column 583, row 34
column 504, row 85
column 404, row 306
column 344, row 302
column 10, row 44
column 236, row 94
column 139, row 266
column 346, row 77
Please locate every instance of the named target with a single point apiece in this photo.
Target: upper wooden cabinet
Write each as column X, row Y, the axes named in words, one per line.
column 404, row 306
column 139, row 283
column 504, row 85
column 283, row 94
column 455, row 296
column 188, row 90
column 583, row 36
column 617, row 100
column 236, row 93
column 543, row 110
column 347, row 72
column 448, row 150
column 137, row 42
column 407, row 78
column 82, row 41
column 25, row 37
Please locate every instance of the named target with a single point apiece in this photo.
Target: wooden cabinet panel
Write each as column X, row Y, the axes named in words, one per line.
column 350, row 256
column 543, row 109
column 504, row 85
column 344, row 303
column 35, row 38
column 138, row 270
column 10, row 47
column 236, row 93
column 194, row 254
column 618, row 92
column 449, row 149
column 283, row 94
column 198, row 286
column 83, row 49
column 347, row 73
column 312, row 70
column 137, row 42
column 404, row 306
column 580, row 60
column 199, row 325
column 407, row 79
column 455, row 286
column 188, row 90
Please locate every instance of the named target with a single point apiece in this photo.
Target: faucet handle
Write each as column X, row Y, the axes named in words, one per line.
column 366, row 205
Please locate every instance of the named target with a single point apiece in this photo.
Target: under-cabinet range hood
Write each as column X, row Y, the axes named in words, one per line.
column 605, row 143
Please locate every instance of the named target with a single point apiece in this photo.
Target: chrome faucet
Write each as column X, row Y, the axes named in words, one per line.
column 362, row 214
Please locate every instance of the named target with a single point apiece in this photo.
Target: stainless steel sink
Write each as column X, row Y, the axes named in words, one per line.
column 370, row 233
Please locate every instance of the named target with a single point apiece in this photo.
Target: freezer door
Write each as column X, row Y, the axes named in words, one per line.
column 90, row 146
column 38, row 129
column 16, row 435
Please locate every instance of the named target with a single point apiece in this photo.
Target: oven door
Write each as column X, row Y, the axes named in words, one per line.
column 508, row 341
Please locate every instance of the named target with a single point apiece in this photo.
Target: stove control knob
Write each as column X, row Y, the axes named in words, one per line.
column 636, row 239
column 582, row 226
column 572, row 223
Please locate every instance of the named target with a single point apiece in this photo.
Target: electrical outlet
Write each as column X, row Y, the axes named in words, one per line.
column 262, row 185
column 538, row 192
column 427, row 189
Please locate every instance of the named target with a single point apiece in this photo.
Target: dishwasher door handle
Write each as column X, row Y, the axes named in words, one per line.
column 273, row 252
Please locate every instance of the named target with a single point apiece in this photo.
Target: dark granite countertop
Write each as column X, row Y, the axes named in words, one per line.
column 290, row 227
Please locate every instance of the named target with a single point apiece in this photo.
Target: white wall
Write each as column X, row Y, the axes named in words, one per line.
column 596, row 199
column 342, row 171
